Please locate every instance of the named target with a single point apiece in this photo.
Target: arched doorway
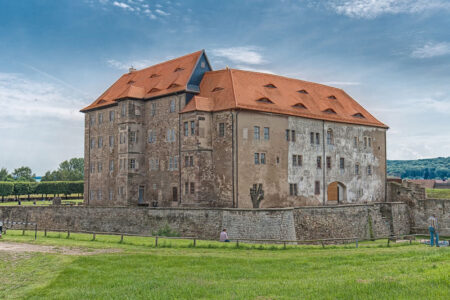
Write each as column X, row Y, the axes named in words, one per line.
column 337, row 192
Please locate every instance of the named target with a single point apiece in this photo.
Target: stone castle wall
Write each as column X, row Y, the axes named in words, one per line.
column 363, row 221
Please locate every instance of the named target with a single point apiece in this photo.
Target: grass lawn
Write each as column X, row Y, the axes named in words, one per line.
column 215, row 270
column 41, row 203
column 438, row 193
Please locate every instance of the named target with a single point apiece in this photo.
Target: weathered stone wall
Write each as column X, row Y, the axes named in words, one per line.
column 363, row 221
column 426, row 208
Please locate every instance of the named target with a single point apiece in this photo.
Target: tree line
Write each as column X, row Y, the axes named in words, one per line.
column 432, row 168
column 19, row 188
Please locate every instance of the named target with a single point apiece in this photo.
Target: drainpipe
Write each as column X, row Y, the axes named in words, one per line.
column 385, row 167
column 232, row 156
column 179, row 148
column 323, row 160
column 89, row 163
column 237, row 160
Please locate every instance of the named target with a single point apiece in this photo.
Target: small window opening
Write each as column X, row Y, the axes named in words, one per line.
column 270, row 86
column 154, row 75
column 153, row 90
column 216, row 89
column 265, row 100
column 178, row 69
column 131, row 82
column 302, row 92
column 299, row 105
column 359, row 115
column 329, row 111
column 173, row 85
column 332, row 97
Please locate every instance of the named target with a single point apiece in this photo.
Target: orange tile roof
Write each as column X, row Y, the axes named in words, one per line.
column 237, row 89
column 164, row 78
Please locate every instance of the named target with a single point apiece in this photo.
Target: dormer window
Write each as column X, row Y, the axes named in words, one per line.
column 101, row 101
column 153, row 90
column 302, row 92
column 329, row 111
column 359, row 115
column 178, row 69
column 332, row 97
column 173, row 85
column 216, row 89
column 154, row 75
column 264, row 100
column 131, row 82
column 270, row 86
column 299, row 105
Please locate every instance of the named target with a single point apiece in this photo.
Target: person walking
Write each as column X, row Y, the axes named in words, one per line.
column 1, row 228
column 433, row 227
column 224, row 236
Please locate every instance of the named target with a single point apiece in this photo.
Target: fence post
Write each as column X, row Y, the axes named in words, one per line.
column 284, row 245
column 389, row 240
column 121, row 238
column 156, row 241
column 93, row 236
column 195, row 242
column 45, row 232
column 35, row 231
column 68, row 233
column 237, row 243
column 323, row 245
column 356, row 243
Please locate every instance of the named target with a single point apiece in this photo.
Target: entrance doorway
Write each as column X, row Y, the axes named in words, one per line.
column 141, row 195
column 337, row 192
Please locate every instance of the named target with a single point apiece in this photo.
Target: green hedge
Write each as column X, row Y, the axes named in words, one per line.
column 44, row 188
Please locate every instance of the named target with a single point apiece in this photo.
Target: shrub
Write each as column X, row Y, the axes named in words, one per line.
column 166, row 231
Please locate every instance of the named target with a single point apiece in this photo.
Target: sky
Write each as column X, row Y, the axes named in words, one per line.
column 392, row 56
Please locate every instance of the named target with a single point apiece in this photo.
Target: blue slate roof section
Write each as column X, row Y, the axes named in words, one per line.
column 197, row 75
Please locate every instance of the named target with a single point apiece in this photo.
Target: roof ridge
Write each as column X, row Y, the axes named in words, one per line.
column 164, row 62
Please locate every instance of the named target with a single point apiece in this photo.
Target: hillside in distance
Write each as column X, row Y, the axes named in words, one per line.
column 430, row 168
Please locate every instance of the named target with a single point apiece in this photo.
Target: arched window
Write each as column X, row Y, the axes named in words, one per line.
column 330, row 138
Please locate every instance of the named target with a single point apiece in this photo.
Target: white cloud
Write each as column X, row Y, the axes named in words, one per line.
column 431, row 50
column 246, row 55
column 248, row 68
column 123, row 5
column 341, row 83
column 137, row 64
column 161, row 12
column 370, row 9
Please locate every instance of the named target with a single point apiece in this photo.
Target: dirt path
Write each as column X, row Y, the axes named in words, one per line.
column 19, row 247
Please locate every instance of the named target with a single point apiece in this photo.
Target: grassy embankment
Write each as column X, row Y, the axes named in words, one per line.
column 438, row 193
column 213, row 270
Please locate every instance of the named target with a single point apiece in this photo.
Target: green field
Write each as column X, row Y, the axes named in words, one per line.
column 438, row 193
column 136, row 269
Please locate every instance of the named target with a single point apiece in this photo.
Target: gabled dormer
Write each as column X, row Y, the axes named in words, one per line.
column 200, row 68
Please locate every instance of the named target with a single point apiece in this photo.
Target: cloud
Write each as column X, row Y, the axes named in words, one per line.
column 123, row 5
column 247, row 55
column 249, row 68
column 161, row 12
column 369, row 9
column 138, row 7
column 137, row 64
column 431, row 50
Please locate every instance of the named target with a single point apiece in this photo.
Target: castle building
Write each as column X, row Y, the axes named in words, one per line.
column 178, row 134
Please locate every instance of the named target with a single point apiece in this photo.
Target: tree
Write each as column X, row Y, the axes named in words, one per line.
column 23, row 174
column 68, row 170
column 5, row 176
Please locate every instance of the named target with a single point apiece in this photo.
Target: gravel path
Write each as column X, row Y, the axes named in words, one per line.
column 20, row 247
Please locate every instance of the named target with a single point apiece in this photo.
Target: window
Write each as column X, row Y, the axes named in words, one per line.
column 192, row 128
column 293, row 135
column 132, row 137
column 100, row 118
column 299, row 105
column 263, row 158
column 192, row 187
column 92, row 120
column 120, row 164
column 170, row 163
column 174, row 194
column 111, row 165
column 186, row 161
column 266, row 133
column 356, row 169
column 100, row 141
column 328, row 162
column 302, row 92
column 270, row 86
column 264, row 100
column 317, row 138
column 332, row 97
column 216, row 89
column 154, row 164
column 121, row 191
column 293, row 189
column 151, row 137
column 297, row 160
column 330, row 137
column 256, row 132
column 311, row 138
column 317, row 188
column 111, row 115
column 132, row 164
column 124, row 110
column 369, row 142
column 111, row 195
column 256, row 158
column 278, row 159
column 369, row 170
column 186, row 188
column 172, row 106
column 288, row 136
column 359, row 115
column 186, row 128
column 355, row 141
column 99, row 167
column 221, row 129
column 365, row 142
column 342, row 163
column 153, row 109
column 99, row 194
column 92, row 195
column 92, row 168
column 170, row 135
column 92, row 143
column 111, row 141
column 191, row 161
column 319, row 162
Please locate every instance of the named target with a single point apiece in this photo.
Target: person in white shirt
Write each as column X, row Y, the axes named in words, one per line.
column 433, row 227
column 224, row 236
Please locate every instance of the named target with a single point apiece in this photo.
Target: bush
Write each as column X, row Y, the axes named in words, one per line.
column 6, row 189
column 166, row 231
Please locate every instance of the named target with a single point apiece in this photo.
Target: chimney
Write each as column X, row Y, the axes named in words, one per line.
column 131, row 69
